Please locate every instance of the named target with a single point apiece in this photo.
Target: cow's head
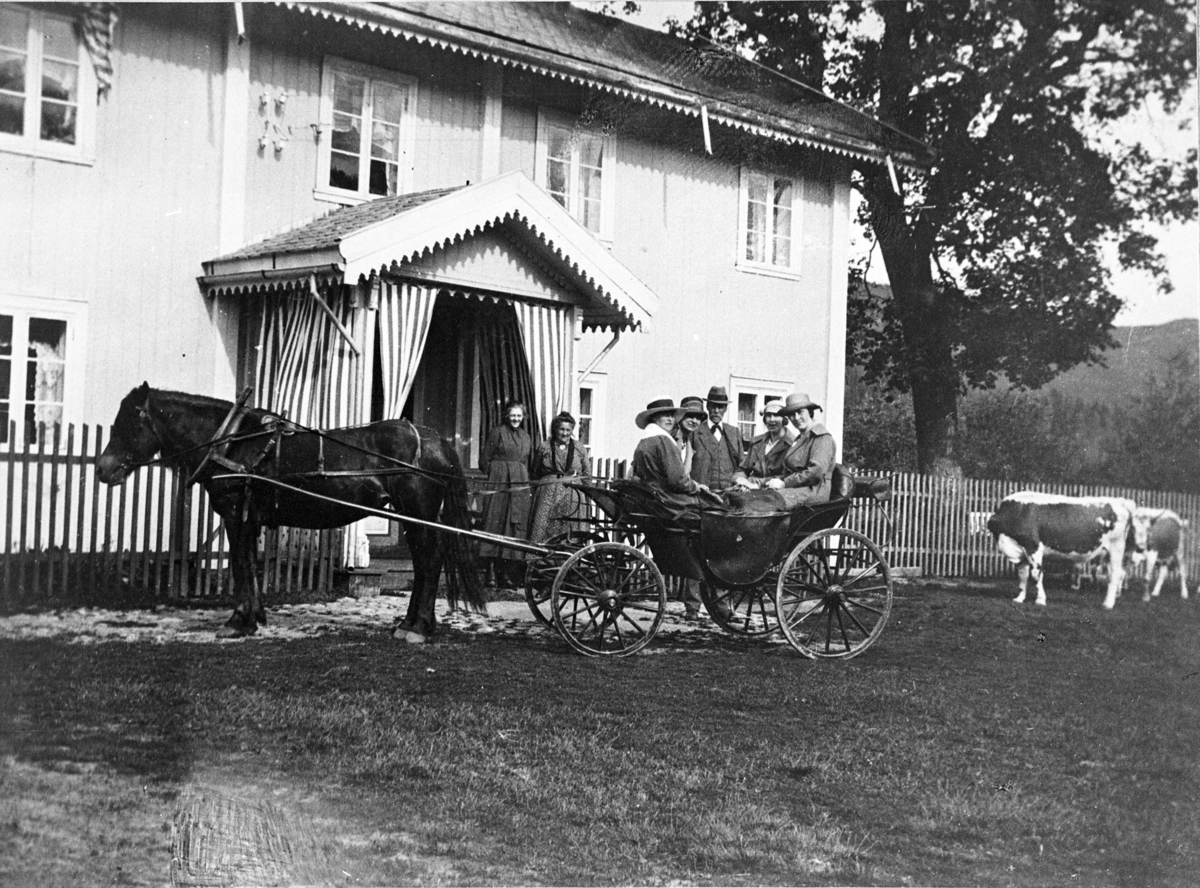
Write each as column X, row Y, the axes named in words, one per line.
column 1139, row 530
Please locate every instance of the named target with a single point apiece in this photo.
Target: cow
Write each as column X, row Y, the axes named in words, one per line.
column 1165, row 539
column 1027, row 524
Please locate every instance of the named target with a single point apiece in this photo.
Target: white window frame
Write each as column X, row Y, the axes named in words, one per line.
column 30, row 142
column 22, row 308
column 548, row 118
column 408, row 141
column 792, row 269
column 597, row 381
column 762, row 389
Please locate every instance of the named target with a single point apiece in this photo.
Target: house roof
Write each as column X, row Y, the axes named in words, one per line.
column 561, row 40
column 380, row 236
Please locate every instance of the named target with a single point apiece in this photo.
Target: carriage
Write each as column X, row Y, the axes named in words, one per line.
column 826, row 588
column 763, row 569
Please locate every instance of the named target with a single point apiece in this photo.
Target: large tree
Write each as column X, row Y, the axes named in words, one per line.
column 998, row 256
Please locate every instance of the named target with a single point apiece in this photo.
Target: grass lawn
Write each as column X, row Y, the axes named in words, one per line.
column 977, row 743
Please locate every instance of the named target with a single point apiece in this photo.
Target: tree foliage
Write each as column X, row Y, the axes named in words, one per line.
column 995, row 255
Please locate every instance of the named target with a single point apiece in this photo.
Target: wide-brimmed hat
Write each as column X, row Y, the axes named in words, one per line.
column 798, row 401
column 773, row 408
column 692, row 406
column 656, row 408
column 718, row 396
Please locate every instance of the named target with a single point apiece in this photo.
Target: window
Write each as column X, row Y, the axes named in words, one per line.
column 367, row 114
column 590, row 428
column 33, row 375
column 575, row 167
column 769, row 223
column 751, row 395
column 43, row 73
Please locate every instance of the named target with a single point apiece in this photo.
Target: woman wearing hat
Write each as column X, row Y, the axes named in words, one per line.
column 808, row 463
column 692, row 413
column 764, row 459
column 559, row 458
column 656, row 459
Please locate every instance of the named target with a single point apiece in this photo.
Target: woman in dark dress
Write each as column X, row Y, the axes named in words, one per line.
column 505, row 459
column 557, row 459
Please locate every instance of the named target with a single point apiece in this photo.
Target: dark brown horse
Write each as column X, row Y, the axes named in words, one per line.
column 391, row 465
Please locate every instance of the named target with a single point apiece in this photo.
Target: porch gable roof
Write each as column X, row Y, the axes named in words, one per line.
column 379, row 236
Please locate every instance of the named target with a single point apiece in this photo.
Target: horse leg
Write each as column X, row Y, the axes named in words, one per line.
column 421, row 620
column 247, row 613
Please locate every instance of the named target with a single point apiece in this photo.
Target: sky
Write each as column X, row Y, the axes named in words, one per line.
column 1180, row 244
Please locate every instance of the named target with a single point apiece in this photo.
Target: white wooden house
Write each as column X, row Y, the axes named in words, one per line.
column 368, row 209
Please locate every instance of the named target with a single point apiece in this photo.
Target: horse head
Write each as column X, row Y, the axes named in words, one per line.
column 133, row 439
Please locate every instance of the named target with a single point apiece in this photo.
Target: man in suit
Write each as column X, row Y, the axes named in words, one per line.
column 718, row 444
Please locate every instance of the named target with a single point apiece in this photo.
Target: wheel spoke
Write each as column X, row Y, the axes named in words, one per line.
column 861, row 628
column 857, row 603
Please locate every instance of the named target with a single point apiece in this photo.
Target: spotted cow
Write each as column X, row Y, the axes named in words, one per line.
column 1027, row 524
column 1165, row 539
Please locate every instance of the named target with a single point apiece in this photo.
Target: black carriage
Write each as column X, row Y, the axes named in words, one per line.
column 827, row 588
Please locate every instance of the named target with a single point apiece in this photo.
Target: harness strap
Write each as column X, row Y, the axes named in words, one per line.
column 216, row 452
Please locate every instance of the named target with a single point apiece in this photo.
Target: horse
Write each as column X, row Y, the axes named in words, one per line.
column 259, row 470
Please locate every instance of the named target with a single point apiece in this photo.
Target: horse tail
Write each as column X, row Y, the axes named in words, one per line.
column 463, row 583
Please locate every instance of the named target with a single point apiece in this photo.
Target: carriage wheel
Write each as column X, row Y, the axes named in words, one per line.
column 608, row 599
column 748, row 611
column 540, row 572
column 834, row 594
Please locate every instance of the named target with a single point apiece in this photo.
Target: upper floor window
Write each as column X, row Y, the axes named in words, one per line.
column 576, row 168
column 769, row 222
column 752, row 394
column 367, row 114
column 43, row 73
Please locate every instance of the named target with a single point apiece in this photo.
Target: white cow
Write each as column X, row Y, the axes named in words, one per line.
column 1028, row 523
column 1165, row 538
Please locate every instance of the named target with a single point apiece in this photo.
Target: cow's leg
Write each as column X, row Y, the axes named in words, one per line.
column 1077, row 577
column 247, row 613
column 1035, row 562
column 1022, row 581
column 1150, row 562
column 1116, row 573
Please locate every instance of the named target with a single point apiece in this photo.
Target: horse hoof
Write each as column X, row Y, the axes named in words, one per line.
column 409, row 636
column 230, row 632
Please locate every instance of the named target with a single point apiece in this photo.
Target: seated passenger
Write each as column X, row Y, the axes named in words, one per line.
column 764, row 459
column 808, row 463
column 656, row 460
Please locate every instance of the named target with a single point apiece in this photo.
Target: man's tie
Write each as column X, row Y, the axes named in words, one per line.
column 717, row 431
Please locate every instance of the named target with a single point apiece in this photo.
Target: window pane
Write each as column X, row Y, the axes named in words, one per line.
column 346, row 134
column 12, row 71
column 556, row 180
column 591, row 151
column 58, row 40
column 60, row 81
column 385, row 141
column 58, row 123
column 384, row 177
column 343, row 171
column 44, row 378
column 756, row 232
column 783, row 193
column 589, row 215
column 14, row 28
column 782, row 253
column 389, row 103
column 558, row 144
column 12, row 115
column 348, row 93
column 757, row 188
column 585, row 402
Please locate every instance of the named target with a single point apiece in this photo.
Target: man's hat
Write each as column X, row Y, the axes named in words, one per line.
column 656, row 408
column 797, row 401
column 773, row 408
column 693, row 406
column 718, row 397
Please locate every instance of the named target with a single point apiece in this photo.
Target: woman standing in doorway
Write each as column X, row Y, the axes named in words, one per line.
column 559, row 458
column 505, row 458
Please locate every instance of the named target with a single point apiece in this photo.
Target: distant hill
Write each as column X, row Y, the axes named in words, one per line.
column 1144, row 353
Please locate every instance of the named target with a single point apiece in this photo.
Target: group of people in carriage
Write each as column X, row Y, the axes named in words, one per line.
column 688, row 455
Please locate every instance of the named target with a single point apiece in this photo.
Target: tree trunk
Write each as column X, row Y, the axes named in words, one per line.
column 907, row 250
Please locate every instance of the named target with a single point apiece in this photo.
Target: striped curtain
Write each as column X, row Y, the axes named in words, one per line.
column 405, row 311
column 306, row 370
column 548, row 333
column 503, row 370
